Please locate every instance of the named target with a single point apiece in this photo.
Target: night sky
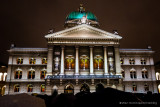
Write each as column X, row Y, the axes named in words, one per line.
column 26, row 22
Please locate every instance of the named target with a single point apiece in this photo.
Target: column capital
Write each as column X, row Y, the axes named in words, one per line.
column 91, row 46
column 105, row 46
column 62, row 46
column 50, row 47
column 76, row 46
column 116, row 46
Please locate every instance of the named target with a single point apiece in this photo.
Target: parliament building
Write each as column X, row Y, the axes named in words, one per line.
column 82, row 57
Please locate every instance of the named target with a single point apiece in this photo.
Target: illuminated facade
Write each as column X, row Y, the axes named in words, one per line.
column 81, row 57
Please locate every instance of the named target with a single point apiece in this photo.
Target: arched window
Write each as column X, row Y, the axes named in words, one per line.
column 121, row 61
column 31, row 74
column 84, row 62
column 32, row 61
column 159, row 88
column 18, row 74
column 146, row 87
column 157, row 75
column 144, row 73
column 85, row 88
column 19, row 60
column 69, row 89
column 123, row 73
column 98, row 62
column 30, row 88
column 44, row 61
column 134, row 87
column 4, row 76
column 43, row 74
column 132, row 61
column 133, row 73
column 16, row 88
column 69, row 62
column 1, row 76
column 143, row 61
column 43, row 88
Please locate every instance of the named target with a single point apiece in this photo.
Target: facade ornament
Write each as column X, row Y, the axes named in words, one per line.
column 144, row 69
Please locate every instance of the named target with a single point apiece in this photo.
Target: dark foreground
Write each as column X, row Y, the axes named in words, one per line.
column 102, row 98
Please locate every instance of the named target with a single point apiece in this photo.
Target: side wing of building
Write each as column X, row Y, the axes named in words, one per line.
column 26, row 70
column 137, row 68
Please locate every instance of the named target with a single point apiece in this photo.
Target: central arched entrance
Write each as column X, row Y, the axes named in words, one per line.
column 69, row 89
column 99, row 87
column 85, row 88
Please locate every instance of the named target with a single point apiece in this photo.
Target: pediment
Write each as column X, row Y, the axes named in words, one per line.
column 83, row 32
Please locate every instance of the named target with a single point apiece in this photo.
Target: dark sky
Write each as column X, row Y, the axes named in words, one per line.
column 25, row 22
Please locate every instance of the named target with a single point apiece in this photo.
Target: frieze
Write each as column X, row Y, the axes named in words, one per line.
column 83, row 77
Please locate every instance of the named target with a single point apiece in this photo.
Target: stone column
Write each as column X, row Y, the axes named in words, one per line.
column 77, row 62
column 62, row 61
column 105, row 61
column 91, row 60
column 117, row 61
column 50, row 60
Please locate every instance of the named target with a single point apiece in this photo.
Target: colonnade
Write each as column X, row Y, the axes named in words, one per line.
column 50, row 61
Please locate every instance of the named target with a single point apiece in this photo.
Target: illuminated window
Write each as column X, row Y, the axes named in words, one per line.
column 121, row 61
column 84, row 62
column 134, row 87
column 31, row 74
column 16, row 88
column 19, row 60
column 133, row 74
column 131, row 61
column 43, row 74
column 144, row 74
column 32, row 61
column 43, row 88
column 69, row 62
column 143, row 61
column 69, row 89
column 98, row 62
column 18, row 74
column 4, row 76
column 30, row 87
column 159, row 88
column 44, row 61
column 157, row 75
column 1, row 76
column 146, row 87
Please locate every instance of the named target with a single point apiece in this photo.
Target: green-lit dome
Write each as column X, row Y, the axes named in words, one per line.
column 78, row 15
column 81, row 17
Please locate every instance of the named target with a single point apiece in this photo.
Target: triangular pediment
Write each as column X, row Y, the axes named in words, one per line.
column 83, row 31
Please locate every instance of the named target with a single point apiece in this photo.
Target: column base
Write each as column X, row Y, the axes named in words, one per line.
column 91, row 74
column 106, row 74
column 76, row 74
column 61, row 74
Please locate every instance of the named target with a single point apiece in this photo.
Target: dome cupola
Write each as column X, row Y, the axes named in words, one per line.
column 81, row 17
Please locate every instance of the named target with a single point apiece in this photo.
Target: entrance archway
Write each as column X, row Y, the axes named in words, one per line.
column 99, row 87
column 85, row 88
column 69, row 89
column 54, row 90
